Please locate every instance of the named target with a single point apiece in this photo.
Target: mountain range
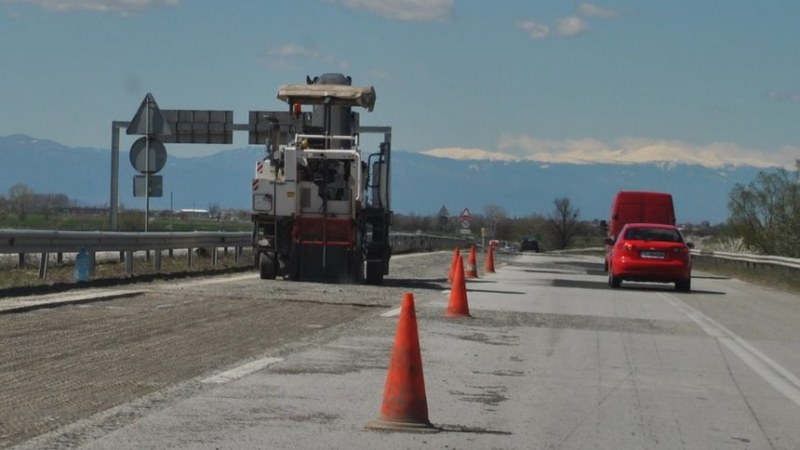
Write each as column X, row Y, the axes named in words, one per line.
column 421, row 184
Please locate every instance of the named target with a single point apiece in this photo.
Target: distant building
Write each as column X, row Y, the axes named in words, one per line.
column 191, row 213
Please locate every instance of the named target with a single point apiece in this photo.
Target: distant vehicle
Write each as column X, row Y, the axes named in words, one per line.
column 529, row 244
column 639, row 207
column 650, row 252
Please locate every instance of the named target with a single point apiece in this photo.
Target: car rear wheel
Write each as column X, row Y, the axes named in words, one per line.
column 613, row 281
column 683, row 285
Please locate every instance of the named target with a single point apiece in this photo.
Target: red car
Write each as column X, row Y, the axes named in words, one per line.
column 650, row 252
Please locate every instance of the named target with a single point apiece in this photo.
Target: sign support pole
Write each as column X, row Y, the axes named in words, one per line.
column 147, row 166
column 113, row 203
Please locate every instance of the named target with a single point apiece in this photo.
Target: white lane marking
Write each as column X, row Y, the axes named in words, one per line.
column 213, row 281
column 391, row 313
column 773, row 373
column 414, row 255
column 241, row 371
column 26, row 302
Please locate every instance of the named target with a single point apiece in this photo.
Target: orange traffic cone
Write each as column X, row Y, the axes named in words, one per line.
column 456, row 255
column 458, row 307
column 405, row 407
column 472, row 270
column 489, row 266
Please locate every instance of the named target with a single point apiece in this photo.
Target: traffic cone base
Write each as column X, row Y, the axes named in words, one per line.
column 405, row 407
column 402, row 425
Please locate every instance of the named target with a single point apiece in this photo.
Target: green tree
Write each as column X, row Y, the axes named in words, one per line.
column 766, row 212
column 495, row 220
column 20, row 196
column 563, row 222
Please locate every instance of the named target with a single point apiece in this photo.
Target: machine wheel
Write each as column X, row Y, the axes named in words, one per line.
column 266, row 266
column 683, row 285
column 374, row 273
column 355, row 269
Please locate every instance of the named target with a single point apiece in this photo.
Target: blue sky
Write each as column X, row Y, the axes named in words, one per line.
column 704, row 81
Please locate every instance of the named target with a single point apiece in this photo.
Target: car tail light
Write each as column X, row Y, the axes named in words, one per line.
column 628, row 246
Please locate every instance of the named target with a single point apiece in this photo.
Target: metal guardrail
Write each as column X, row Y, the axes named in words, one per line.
column 410, row 242
column 41, row 241
column 749, row 259
column 46, row 242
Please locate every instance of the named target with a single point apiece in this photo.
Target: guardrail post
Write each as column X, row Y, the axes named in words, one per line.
column 157, row 261
column 214, row 256
column 43, row 266
column 59, row 258
column 21, row 261
column 92, row 262
column 169, row 252
column 189, row 258
column 129, row 262
column 237, row 253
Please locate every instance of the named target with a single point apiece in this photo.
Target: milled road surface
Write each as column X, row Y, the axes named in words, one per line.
column 59, row 365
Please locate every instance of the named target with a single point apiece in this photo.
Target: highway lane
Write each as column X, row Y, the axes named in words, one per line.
column 59, row 365
column 552, row 358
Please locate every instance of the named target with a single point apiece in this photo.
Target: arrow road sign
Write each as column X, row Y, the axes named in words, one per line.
column 148, row 119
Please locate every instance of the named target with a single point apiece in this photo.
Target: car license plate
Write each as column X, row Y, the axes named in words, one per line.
column 652, row 255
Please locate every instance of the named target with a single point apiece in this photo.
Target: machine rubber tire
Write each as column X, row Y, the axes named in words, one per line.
column 374, row 273
column 266, row 267
column 683, row 285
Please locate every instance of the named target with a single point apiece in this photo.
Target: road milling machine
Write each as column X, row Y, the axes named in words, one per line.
column 320, row 207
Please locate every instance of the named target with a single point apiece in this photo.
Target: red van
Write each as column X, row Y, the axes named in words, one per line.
column 639, row 207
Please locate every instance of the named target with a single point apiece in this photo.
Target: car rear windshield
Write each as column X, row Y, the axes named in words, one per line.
column 653, row 234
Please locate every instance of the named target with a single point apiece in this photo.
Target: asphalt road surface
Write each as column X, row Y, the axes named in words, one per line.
column 551, row 358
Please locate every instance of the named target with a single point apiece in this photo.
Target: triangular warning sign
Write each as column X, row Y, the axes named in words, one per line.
column 148, row 119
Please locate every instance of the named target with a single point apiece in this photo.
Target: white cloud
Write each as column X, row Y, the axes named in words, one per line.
column 571, row 26
column 470, row 154
column 568, row 26
column 410, row 10
column 118, row 6
column 590, row 10
column 623, row 151
column 534, row 29
column 286, row 56
column 292, row 50
column 784, row 96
